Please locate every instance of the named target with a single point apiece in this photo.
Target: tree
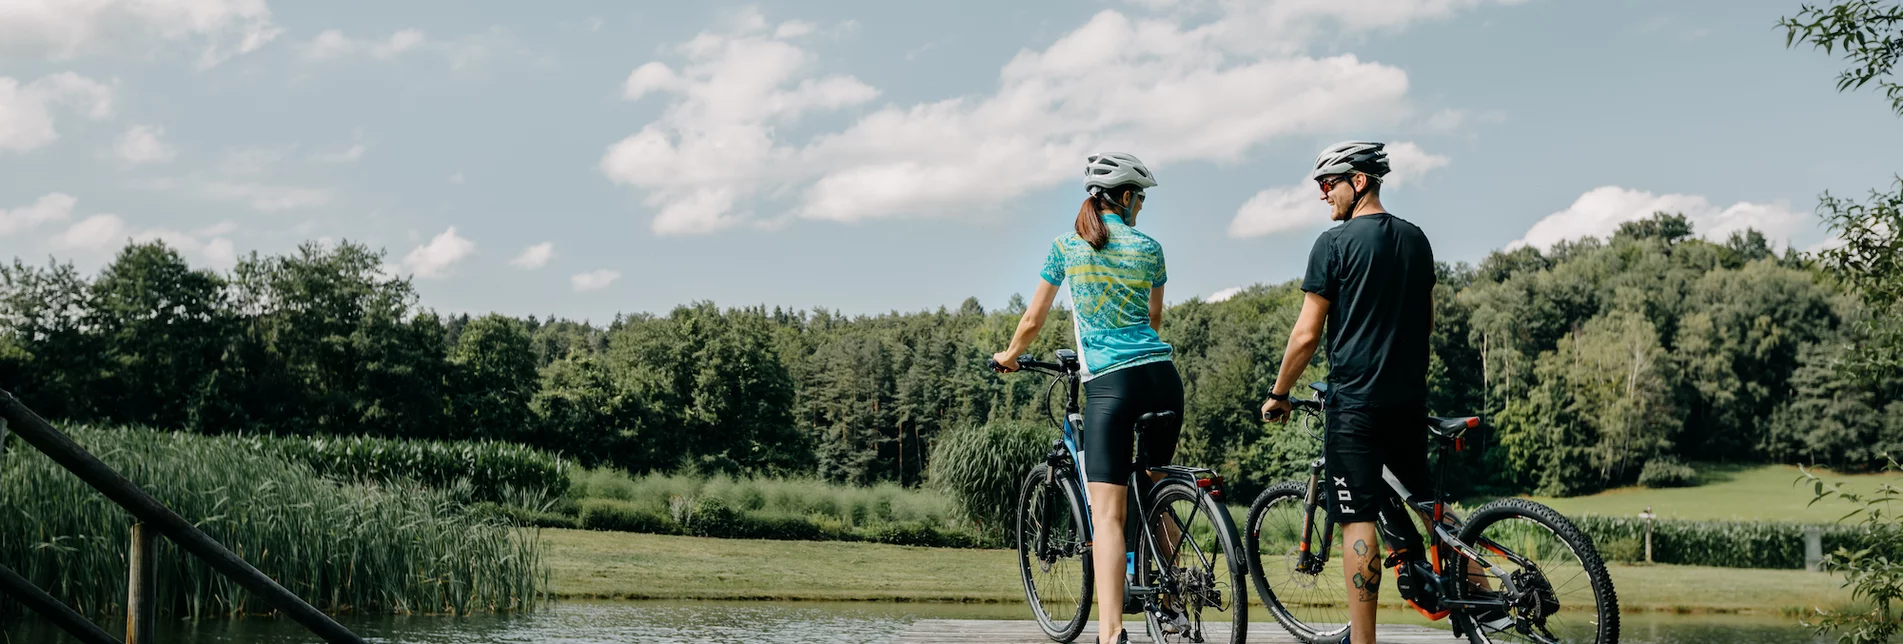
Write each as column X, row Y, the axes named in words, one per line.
column 53, row 362
column 493, row 378
column 164, row 328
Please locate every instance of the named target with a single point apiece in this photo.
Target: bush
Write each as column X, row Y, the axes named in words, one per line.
column 1666, row 471
column 493, row 471
column 1728, row 544
column 982, row 467
column 621, row 516
column 523, row 517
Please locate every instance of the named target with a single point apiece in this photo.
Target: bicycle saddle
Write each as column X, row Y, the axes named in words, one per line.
column 1451, row 427
column 1155, row 419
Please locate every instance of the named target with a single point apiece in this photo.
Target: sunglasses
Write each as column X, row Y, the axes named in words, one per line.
column 1328, row 183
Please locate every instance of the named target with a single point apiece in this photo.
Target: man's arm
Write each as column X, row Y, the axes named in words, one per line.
column 1302, row 342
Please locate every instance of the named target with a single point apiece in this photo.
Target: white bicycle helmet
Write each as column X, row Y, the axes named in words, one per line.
column 1114, row 169
column 1366, row 157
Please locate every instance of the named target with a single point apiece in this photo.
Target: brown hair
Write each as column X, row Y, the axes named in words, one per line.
column 1090, row 215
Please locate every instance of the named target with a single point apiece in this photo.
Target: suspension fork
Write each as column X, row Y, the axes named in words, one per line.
column 1313, row 559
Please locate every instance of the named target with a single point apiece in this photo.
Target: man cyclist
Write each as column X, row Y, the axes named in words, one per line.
column 1371, row 279
column 1116, row 280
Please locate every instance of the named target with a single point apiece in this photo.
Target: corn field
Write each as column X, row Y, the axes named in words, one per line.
column 344, row 547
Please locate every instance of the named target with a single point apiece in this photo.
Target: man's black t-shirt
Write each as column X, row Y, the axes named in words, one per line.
column 1377, row 272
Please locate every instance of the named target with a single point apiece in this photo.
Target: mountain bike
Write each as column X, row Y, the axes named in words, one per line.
column 1187, row 573
column 1513, row 570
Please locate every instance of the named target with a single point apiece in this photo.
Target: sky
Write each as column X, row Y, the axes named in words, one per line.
column 584, row 159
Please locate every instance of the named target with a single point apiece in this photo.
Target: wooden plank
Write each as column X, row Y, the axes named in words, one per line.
column 1004, row 631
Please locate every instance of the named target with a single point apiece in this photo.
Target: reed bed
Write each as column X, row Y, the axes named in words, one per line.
column 345, row 547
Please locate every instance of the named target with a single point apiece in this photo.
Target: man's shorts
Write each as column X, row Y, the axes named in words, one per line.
column 1358, row 443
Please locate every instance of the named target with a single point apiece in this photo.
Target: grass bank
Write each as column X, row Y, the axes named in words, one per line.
column 1755, row 492
column 617, row 565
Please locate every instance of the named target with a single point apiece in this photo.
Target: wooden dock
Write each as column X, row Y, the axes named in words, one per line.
column 1005, row 631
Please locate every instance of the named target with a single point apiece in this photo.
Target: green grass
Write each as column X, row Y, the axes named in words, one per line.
column 833, row 507
column 615, row 565
column 1756, row 492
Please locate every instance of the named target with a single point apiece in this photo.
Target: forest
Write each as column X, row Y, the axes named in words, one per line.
column 1597, row 362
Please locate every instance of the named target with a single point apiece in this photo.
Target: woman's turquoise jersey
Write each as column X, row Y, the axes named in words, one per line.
column 1110, row 295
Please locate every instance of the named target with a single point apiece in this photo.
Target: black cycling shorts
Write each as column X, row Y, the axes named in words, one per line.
column 1358, row 443
column 1112, row 403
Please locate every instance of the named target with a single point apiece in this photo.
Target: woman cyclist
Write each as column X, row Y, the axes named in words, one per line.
column 1116, row 289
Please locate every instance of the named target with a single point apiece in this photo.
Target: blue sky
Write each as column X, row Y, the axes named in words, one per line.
column 588, row 158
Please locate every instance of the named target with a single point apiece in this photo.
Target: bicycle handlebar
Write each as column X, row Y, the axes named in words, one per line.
column 1311, row 406
column 1026, row 362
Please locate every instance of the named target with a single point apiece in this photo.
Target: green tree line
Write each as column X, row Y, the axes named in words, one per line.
column 1591, row 360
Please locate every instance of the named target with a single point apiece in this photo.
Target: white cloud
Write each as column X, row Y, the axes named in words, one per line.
column 106, row 233
column 718, row 156
column 1407, row 163
column 1224, row 295
column 95, row 233
column 266, row 197
column 251, row 161
column 535, row 256
column 141, row 145
column 1599, row 212
column 456, row 178
column 26, row 111
column 332, row 44
column 347, row 155
column 1279, row 210
column 48, row 208
column 1299, row 206
column 437, row 258
column 66, row 29
column 593, row 280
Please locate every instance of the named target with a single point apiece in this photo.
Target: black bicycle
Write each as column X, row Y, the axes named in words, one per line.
column 1514, row 569
column 1188, row 567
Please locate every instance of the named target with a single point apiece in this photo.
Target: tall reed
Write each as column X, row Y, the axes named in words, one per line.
column 344, row 547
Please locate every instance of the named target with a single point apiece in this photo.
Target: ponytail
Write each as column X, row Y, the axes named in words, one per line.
column 1090, row 222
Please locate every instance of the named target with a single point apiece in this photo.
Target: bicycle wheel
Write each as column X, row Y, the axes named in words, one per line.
column 1312, row 604
column 1564, row 593
column 1052, row 556
column 1206, row 581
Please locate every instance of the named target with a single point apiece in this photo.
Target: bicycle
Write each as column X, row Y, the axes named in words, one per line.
column 1527, row 546
column 1201, row 569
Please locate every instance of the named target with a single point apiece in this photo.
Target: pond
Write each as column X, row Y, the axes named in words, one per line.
column 774, row 622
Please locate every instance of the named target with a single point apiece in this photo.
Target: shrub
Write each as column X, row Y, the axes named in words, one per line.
column 1729, row 544
column 493, row 471
column 621, row 516
column 981, row 467
column 1666, row 471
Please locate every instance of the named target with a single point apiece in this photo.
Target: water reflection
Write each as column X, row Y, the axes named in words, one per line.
column 833, row 623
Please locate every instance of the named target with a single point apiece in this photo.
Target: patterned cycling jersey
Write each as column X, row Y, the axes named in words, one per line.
column 1110, row 296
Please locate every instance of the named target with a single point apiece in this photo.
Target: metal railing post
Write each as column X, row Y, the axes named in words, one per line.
column 53, row 610
column 62, row 450
column 141, row 609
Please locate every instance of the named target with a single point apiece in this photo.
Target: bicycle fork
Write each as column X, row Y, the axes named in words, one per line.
column 1311, row 559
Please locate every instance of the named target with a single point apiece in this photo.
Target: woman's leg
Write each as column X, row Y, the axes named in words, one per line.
column 1107, row 515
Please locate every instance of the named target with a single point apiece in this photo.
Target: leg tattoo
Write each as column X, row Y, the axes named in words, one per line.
column 1368, row 581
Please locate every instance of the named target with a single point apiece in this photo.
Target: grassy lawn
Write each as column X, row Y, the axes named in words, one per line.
column 618, row 565
column 1761, row 492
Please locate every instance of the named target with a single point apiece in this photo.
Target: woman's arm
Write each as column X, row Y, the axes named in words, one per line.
column 1028, row 326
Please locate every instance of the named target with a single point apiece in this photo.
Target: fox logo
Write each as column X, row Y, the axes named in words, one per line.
column 1342, row 495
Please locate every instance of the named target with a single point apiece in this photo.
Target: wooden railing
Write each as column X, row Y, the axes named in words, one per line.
column 154, row 520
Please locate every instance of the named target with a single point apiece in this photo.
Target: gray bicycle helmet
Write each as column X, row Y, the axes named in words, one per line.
column 1366, row 157
column 1113, row 169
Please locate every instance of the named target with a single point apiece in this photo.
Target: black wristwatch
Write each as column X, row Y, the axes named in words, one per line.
column 1276, row 396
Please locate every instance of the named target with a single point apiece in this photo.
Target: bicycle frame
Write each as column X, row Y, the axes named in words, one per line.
column 1433, row 512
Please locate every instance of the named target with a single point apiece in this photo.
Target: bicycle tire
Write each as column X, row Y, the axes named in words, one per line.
column 1593, row 568
column 1040, row 486
column 1295, row 493
column 1231, row 572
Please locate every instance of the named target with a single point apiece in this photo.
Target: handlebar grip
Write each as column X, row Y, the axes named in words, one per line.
column 993, row 364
